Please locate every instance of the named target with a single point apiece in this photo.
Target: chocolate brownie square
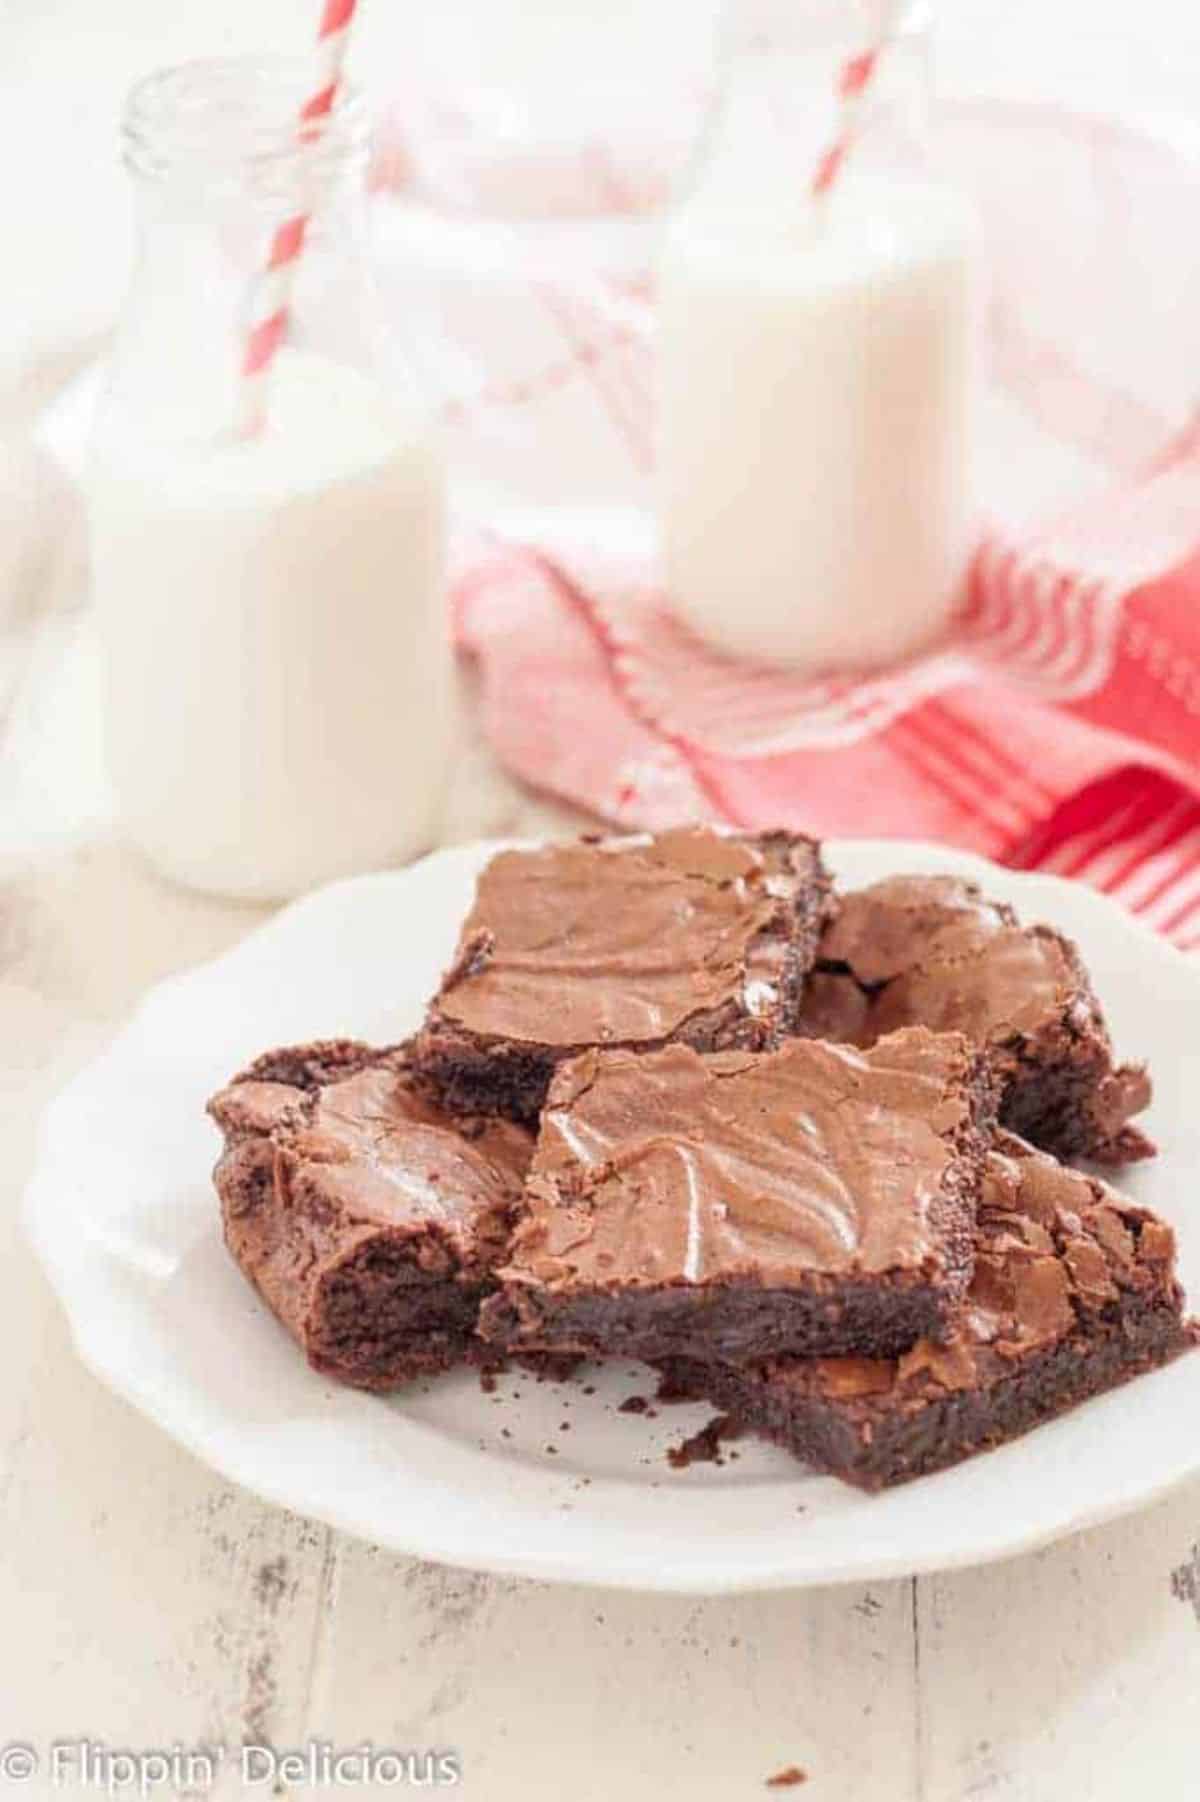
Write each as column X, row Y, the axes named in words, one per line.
column 1074, row 1291
column 369, row 1221
column 695, row 936
column 932, row 951
column 814, row 1198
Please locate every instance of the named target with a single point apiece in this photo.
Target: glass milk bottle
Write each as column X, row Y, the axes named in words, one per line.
column 816, row 350
column 267, row 555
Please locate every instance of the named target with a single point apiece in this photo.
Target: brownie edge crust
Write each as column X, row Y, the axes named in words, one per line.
column 369, row 1221
column 695, row 936
column 1074, row 1292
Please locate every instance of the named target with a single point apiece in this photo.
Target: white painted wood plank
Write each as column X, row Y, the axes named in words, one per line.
column 550, row 1693
column 142, row 1599
column 1069, row 1676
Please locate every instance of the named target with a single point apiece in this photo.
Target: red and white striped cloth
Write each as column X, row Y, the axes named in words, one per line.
column 1059, row 727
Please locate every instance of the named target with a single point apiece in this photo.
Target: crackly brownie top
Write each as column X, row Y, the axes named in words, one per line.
column 815, row 1159
column 941, row 954
column 352, row 1129
column 624, row 940
column 1055, row 1249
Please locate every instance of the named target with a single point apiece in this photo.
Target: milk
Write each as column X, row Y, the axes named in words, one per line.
column 815, row 405
column 274, row 639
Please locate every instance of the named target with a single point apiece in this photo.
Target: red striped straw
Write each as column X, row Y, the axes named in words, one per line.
column 854, row 78
column 272, row 294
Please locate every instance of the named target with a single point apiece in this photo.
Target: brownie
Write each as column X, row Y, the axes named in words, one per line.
column 693, row 936
column 1074, row 1291
column 932, row 951
column 816, row 1198
column 369, row 1221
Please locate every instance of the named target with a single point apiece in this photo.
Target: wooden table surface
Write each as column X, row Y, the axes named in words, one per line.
column 144, row 1602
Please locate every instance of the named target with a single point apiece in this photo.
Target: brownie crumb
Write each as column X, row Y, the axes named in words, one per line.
column 487, row 1381
column 633, row 1404
column 788, row 1778
column 1185, row 1582
column 673, row 1387
column 704, row 1447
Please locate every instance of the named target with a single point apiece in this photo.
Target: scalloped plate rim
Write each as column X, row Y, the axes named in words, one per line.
column 44, row 1216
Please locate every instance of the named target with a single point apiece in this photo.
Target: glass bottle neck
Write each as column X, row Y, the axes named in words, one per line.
column 225, row 171
column 779, row 107
column 753, row 27
column 230, row 133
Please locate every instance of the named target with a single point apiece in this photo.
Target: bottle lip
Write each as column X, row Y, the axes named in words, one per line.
column 224, row 116
column 758, row 27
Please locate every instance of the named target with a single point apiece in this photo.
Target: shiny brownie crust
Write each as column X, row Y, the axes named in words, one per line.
column 1074, row 1292
column 933, row 950
column 818, row 1200
column 468, row 1049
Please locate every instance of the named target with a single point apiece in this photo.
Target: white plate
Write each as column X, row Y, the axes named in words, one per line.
column 122, row 1213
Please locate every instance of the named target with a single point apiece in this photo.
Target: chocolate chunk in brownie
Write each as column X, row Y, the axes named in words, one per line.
column 694, row 936
column 1074, row 1291
column 932, row 951
column 369, row 1221
column 815, row 1198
